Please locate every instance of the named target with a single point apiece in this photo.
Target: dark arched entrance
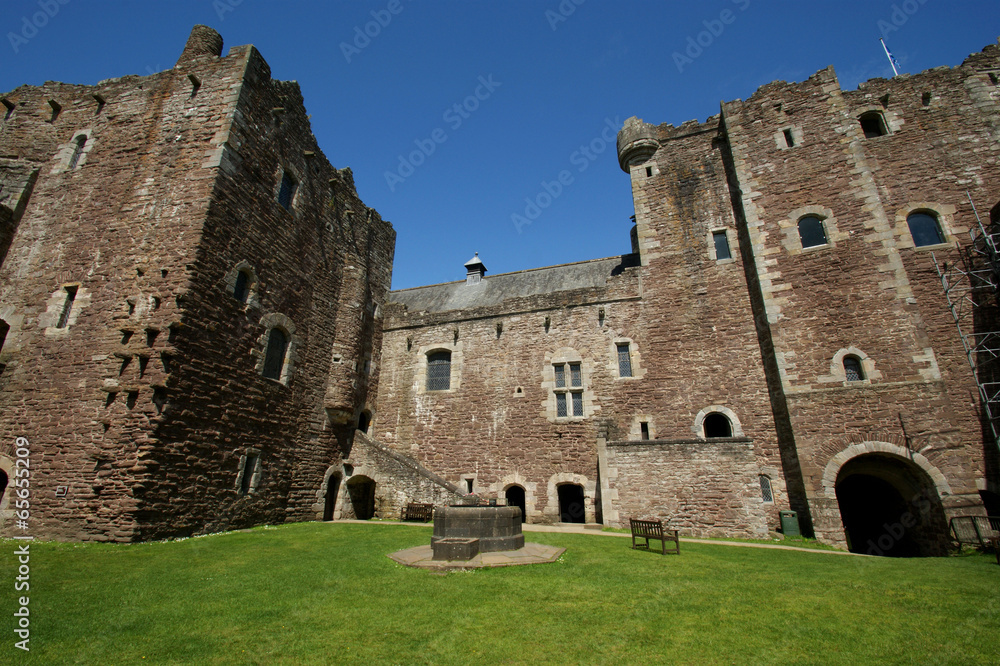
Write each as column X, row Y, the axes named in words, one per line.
column 4, row 480
column 332, row 488
column 890, row 507
column 571, row 503
column 361, row 490
column 515, row 497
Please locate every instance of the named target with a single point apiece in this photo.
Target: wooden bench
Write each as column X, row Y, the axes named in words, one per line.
column 418, row 511
column 653, row 529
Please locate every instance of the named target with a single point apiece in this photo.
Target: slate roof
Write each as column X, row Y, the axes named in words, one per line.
column 495, row 289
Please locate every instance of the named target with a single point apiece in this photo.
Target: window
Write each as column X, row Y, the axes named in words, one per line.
column 721, row 245
column 789, row 141
column 364, row 421
column 241, row 291
column 765, row 489
column 439, row 371
column 569, row 399
column 811, row 231
column 852, row 369
column 644, row 430
column 274, row 358
column 249, row 471
column 287, row 192
column 925, row 229
column 67, row 307
column 4, row 329
column 81, row 141
column 873, row 124
column 624, row 360
column 717, row 425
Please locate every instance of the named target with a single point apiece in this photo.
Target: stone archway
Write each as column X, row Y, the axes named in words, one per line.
column 330, row 500
column 361, row 494
column 572, row 505
column 515, row 497
column 890, row 506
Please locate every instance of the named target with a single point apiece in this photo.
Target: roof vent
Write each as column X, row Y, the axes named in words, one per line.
column 474, row 270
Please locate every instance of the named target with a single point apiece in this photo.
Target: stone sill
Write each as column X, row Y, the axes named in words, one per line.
column 683, row 442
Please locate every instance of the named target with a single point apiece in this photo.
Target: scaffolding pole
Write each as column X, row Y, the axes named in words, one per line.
column 972, row 291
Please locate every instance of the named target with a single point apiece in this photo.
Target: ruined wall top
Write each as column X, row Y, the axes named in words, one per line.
column 203, row 41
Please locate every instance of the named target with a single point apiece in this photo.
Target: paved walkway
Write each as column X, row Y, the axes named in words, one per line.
column 598, row 531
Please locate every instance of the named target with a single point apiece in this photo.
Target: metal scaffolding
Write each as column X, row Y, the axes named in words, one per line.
column 972, row 289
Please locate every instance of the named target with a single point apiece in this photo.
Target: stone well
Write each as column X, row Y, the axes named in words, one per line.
column 497, row 528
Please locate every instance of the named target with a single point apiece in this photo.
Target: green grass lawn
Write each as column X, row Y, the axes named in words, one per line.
column 327, row 593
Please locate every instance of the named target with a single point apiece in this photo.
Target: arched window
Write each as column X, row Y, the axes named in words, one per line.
column 439, row 370
column 364, row 421
column 717, row 425
column 873, row 124
column 274, row 358
column 852, row 369
column 811, row 231
column 925, row 229
column 765, row 489
column 81, row 141
column 241, row 291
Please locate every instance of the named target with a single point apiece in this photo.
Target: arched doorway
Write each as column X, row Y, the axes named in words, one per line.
column 890, row 507
column 361, row 490
column 515, row 497
column 571, row 503
column 4, row 480
column 332, row 488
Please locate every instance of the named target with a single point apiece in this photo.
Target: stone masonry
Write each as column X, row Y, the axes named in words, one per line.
column 197, row 332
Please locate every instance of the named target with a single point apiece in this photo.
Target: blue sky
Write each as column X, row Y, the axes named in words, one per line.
column 539, row 85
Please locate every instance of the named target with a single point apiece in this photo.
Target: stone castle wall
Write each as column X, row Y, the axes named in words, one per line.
column 144, row 407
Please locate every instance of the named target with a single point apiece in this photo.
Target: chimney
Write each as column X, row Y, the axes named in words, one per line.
column 474, row 270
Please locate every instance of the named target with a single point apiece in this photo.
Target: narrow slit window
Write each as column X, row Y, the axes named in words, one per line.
column 624, row 360
column 644, row 430
column 249, row 469
column 241, row 291
column 722, row 250
column 852, row 369
column 67, row 307
column 649, row 172
column 789, row 140
column 439, row 371
column 287, row 192
column 81, row 141
column 811, row 232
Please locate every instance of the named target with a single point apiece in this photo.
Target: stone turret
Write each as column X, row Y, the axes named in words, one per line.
column 636, row 143
column 203, row 41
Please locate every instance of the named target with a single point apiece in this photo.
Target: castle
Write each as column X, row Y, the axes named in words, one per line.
column 198, row 331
